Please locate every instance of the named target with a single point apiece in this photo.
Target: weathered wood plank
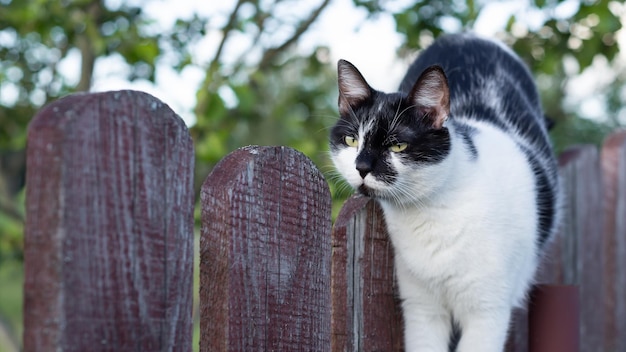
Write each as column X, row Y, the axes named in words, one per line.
column 265, row 254
column 366, row 312
column 109, row 232
column 583, row 222
column 575, row 255
column 613, row 161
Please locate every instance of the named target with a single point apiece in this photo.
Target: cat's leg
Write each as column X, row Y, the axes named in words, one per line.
column 426, row 328
column 484, row 330
column 427, row 325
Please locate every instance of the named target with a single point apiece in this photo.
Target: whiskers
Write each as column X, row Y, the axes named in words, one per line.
column 400, row 194
column 403, row 195
column 339, row 187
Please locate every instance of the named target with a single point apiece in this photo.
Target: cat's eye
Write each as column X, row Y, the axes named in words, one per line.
column 351, row 141
column 397, row 148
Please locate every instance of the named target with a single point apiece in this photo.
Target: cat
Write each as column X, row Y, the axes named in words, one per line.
column 461, row 164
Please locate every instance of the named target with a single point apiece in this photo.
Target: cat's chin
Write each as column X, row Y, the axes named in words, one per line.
column 381, row 196
column 374, row 189
column 365, row 191
column 372, row 193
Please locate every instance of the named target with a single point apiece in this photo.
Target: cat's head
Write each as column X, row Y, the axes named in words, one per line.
column 391, row 146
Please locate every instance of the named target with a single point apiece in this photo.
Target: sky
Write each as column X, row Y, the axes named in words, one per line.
column 370, row 44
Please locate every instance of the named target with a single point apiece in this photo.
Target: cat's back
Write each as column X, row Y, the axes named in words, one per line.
column 488, row 82
column 470, row 62
column 491, row 89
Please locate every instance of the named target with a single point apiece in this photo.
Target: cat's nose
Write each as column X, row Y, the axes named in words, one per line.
column 364, row 168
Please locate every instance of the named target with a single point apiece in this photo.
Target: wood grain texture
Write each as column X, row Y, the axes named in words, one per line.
column 574, row 256
column 613, row 161
column 265, row 254
column 582, row 240
column 366, row 312
column 109, row 232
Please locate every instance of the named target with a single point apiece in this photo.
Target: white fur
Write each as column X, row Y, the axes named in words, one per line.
column 464, row 239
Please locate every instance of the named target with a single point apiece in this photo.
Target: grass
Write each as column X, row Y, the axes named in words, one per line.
column 11, row 302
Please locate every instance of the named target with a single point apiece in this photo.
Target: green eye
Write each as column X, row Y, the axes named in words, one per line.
column 397, row 148
column 351, row 141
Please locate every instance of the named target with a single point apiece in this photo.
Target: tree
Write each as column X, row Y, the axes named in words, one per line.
column 278, row 96
column 37, row 37
column 259, row 86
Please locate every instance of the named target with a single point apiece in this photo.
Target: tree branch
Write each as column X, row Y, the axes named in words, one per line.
column 230, row 25
column 206, row 87
column 260, row 20
column 271, row 53
column 85, row 45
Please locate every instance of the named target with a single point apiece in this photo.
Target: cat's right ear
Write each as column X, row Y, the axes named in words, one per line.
column 353, row 89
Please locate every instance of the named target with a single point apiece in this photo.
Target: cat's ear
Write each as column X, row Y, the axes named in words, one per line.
column 431, row 95
column 353, row 89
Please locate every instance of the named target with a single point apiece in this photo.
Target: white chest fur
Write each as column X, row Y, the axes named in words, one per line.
column 475, row 240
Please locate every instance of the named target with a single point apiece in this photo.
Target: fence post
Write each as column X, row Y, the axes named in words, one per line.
column 366, row 314
column 613, row 160
column 553, row 317
column 265, row 254
column 574, row 256
column 109, row 231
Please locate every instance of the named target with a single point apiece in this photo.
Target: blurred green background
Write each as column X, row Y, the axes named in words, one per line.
column 273, row 90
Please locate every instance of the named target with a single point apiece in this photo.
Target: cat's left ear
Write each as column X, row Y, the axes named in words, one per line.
column 431, row 95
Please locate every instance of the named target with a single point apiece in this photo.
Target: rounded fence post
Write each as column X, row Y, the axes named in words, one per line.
column 265, row 254
column 613, row 161
column 109, row 231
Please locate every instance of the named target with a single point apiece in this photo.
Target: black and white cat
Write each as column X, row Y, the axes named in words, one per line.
column 461, row 164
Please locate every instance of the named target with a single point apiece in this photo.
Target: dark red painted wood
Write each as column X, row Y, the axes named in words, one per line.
column 366, row 311
column 265, row 254
column 554, row 319
column 613, row 160
column 109, row 232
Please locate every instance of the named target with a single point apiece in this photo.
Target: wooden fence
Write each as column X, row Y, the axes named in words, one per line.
column 109, row 238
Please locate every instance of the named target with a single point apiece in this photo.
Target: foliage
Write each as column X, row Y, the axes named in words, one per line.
column 38, row 35
column 268, row 90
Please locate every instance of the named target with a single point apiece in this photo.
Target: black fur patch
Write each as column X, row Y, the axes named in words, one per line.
column 455, row 336
column 467, row 133
column 546, row 199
